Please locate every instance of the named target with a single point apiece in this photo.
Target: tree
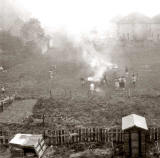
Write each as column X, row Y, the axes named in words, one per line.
column 32, row 30
column 10, row 44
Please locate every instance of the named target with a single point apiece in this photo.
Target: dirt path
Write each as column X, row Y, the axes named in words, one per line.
column 16, row 112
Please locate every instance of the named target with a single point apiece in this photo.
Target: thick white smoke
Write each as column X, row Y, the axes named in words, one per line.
column 98, row 62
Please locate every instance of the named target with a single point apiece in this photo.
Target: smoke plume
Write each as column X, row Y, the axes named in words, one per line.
column 98, row 62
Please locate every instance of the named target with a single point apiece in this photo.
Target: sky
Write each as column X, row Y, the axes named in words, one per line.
column 78, row 16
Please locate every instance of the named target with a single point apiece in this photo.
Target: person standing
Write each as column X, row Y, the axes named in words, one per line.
column 124, row 82
column 116, row 84
column 134, row 80
column 104, row 80
column 92, row 88
column 120, row 82
column 126, row 71
column 82, row 82
column 3, row 90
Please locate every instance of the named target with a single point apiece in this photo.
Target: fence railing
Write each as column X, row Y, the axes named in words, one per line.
column 154, row 133
column 4, row 137
column 61, row 137
column 64, row 137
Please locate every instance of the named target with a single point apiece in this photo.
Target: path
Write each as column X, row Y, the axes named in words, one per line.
column 16, row 112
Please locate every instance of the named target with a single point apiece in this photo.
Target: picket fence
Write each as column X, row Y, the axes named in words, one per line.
column 64, row 137
column 115, row 135
column 4, row 137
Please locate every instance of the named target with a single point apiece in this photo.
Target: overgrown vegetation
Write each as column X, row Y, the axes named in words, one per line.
column 96, row 112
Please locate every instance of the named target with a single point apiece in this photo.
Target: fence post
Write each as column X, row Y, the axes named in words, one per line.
column 119, row 136
column 44, row 134
column 94, row 134
column 104, row 136
column 80, row 135
column 109, row 137
column 122, row 136
column 87, row 134
column 117, row 133
column 2, row 106
column 100, row 135
column 77, row 136
column 154, row 133
column 51, row 139
column 60, row 137
column 43, row 117
column 70, row 92
column 50, row 92
column 63, row 137
column 97, row 134
column 150, row 134
column 56, row 138
column 85, row 138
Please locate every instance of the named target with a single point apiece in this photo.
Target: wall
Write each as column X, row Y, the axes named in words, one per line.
column 133, row 31
column 125, row 32
column 155, row 32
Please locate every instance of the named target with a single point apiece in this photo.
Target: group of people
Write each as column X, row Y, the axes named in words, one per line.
column 91, row 84
column 121, row 81
column 52, row 71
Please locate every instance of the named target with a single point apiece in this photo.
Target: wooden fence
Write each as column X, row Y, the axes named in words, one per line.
column 64, row 137
column 4, row 137
column 116, row 135
column 154, row 134
column 6, row 101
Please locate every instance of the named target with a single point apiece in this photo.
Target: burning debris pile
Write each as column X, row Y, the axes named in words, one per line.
column 99, row 64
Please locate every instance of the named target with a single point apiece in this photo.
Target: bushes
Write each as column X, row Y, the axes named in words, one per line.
column 90, row 113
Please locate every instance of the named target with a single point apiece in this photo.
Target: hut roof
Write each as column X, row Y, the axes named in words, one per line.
column 134, row 18
column 35, row 142
column 134, row 120
column 26, row 140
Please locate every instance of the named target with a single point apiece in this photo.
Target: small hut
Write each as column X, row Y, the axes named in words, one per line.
column 27, row 145
column 135, row 129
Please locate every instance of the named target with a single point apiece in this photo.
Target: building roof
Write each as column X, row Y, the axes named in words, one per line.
column 116, row 19
column 26, row 140
column 134, row 120
column 135, row 18
column 35, row 142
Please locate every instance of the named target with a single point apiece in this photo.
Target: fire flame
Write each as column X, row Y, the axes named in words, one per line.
column 97, row 64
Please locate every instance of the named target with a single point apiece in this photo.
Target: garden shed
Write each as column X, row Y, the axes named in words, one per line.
column 27, row 145
column 135, row 129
